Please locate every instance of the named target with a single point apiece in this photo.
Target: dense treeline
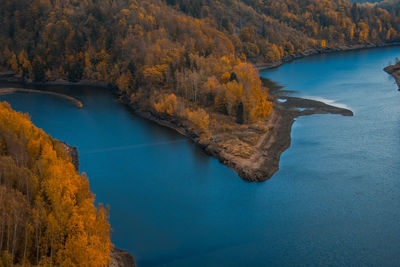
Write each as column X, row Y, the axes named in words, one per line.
column 47, row 215
column 271, row 29
column 183, row 58
column 157, row 56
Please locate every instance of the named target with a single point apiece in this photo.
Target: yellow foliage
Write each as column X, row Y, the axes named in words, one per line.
column 167, row 104
column 225, row 77
column 244, row 97
column 261, row 109
column 233, row 95
column 273, row 53
column 211, row 85
column 125, row 82
column 52, row 203
column 13, row 62
column 155, row 75
column 363, row 32
column 200, row 120
column 323, row 43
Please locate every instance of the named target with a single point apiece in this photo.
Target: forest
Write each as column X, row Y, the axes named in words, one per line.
column 47, row 212
column 185, row 60
column 189, row 60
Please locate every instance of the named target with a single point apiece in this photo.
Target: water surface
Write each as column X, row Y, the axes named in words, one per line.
column 335, row 200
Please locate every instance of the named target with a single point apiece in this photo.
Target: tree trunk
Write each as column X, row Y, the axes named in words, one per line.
column 26, row 242
column 51, row 248
column 37, row 239
column 1, row 235
column 14, row 243
column 8, row 235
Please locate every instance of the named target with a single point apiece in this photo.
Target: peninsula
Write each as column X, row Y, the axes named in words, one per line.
column 190, row 65
column 394, row 70
column 253, row 150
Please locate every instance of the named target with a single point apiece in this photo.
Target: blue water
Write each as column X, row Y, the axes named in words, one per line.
column 335, row 200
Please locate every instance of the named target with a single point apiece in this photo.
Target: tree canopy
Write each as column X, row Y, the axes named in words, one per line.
column 199, row 51
column 47, row 215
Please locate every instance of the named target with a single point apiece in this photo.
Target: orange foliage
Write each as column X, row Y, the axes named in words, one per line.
column 200, row 120
column 225, row 77
column 155, row 75
column 167, row 104
column 48, row 213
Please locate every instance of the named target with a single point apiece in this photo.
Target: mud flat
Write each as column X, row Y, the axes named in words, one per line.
column 267, row 152
column 78, row 103
column 271, row 143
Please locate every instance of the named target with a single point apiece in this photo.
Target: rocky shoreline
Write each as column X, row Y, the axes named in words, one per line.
column 264, row 161
column 119, row 258
column 394, row 70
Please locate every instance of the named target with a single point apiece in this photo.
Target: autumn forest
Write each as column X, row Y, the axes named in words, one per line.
column 191, row 62
column 176, row 57
column 47, row 215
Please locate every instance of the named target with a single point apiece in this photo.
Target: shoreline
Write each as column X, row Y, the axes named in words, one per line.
column 321, row 51
column 5, row 91
column 394, row 71
column 264, row 162
column 119, row 257
column 9, row 76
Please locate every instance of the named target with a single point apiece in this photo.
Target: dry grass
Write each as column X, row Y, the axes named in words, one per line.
column 237, row 148
column 238, row 140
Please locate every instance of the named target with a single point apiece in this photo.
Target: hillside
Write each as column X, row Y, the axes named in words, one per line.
column 272, row 29
column 185, row 63
column 47, row 215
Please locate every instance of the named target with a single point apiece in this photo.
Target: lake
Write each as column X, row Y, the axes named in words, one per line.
column 335, row 200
